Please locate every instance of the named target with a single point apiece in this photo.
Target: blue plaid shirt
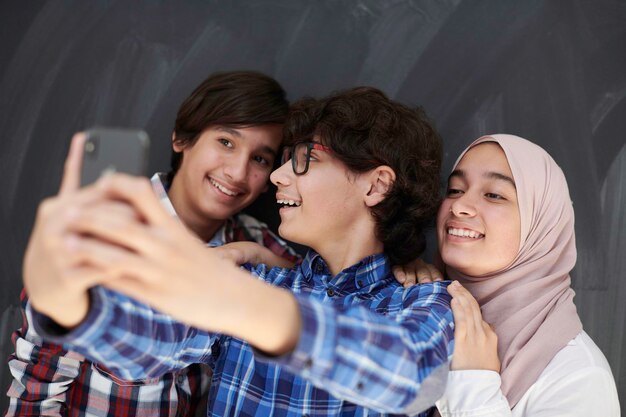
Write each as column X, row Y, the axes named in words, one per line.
column 367, row 347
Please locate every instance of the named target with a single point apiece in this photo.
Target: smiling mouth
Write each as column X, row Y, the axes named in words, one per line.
column 288, row 203
column 464, row 233
column 223, row 189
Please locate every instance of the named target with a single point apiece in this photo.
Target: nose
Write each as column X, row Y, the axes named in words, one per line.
column 236, row 169
column 283, row 175
column 463, row 206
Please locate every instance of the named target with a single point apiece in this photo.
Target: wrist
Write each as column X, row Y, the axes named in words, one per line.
column 73, row 312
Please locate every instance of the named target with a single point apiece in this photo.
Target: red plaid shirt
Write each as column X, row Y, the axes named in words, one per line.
column 50, row 381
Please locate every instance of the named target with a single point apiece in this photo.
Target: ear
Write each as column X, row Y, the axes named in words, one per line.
column 177, row 147
column 378, row 182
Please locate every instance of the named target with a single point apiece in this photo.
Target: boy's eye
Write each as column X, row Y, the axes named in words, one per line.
column 453, row 191
column 261, row 160
column 226, row 142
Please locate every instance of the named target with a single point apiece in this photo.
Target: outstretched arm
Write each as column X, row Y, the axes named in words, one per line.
column 157, row 262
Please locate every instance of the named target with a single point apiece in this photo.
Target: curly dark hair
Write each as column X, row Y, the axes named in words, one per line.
column 235, row 99
column 365, row 129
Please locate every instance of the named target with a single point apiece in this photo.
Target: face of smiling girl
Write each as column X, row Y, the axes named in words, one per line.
column 478, row 225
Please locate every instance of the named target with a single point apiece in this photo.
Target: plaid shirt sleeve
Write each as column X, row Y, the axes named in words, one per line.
column 42, row 373
column 132, row 339
column 393, row 364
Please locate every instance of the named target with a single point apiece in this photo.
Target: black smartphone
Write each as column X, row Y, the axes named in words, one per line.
column 114, row 150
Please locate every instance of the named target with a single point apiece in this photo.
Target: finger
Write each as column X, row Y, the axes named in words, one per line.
column 137, row 192
column 460, row 321
column 54, row 214
column 73, row 164
column 411, row 278
column 472, row 308
column 398, row 272
column 463, row 307
column 132, row 287
column 87, row 276
column 113, row 261
column 423, row 275
column 435, row 274
column 421, row 271
column 117, row 224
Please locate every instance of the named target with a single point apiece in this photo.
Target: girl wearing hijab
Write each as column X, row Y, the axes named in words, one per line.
column 506, row 235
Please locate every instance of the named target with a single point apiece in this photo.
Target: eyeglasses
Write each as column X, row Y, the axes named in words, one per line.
column 300, row 155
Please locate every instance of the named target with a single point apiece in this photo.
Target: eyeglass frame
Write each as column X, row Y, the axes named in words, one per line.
column 294, row 161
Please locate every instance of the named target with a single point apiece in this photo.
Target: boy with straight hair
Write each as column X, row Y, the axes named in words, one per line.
column 226, row 137
column 334, row 335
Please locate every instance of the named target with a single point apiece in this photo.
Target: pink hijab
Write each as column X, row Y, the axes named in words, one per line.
column 530, row 302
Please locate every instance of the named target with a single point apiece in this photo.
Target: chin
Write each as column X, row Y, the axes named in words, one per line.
column 457, row 263
column 291, row 235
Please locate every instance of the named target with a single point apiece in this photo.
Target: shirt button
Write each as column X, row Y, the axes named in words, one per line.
column 330, row 292
column 319, row 268
column 308, row 363
column 180, row 379
column 360, row 282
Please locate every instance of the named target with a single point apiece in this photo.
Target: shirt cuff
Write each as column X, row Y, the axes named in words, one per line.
column 473, row 393
column 50, row 330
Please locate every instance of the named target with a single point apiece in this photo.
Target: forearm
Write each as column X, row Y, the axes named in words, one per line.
column 265, row 316
column 133, row 340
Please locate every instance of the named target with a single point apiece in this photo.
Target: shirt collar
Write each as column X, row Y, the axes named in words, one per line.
column 367, row 274
column 161, row 186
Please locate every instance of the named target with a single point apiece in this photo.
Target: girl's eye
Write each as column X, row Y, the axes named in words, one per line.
column 494, row 196
column 226, row 142
column 453, row 192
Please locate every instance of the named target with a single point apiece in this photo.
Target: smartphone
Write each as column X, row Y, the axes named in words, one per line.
column 114, row 150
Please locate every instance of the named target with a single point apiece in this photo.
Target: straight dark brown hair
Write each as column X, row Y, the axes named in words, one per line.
column 235, row 99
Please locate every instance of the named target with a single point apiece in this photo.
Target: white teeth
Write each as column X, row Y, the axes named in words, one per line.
column 465, row 233
column 222, row 188
column 289, row 203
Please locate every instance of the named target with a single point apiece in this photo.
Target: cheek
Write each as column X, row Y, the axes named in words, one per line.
column 444, row 209
column 508, row 229
column 258, row 182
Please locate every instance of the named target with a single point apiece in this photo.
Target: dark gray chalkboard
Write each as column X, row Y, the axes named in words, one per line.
column 551, row 71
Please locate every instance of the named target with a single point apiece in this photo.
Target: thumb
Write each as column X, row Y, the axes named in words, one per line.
column 73, row 164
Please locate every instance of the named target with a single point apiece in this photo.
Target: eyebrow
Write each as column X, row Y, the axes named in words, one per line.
column 230, row 130
column 264, row 149
column 491, row 175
